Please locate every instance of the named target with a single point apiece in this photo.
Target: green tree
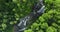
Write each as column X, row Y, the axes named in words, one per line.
column 50, row 20
column 51, row 29
column 12, row 10
column 29, row 30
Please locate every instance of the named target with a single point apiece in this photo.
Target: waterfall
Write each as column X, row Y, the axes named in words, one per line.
column 26, row 20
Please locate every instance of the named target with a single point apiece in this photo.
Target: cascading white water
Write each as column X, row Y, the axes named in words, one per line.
column 23, row 22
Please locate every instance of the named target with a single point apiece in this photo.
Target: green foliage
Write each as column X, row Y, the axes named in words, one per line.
column 44, row 25
column 50, row 20
column 34, row 25
column 29, row 30
column 4, row 26
column 52, row 4
column 51, row 29
column 12, row 10
column 40, row 30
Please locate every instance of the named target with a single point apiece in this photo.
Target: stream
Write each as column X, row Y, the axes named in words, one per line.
column 25, row 21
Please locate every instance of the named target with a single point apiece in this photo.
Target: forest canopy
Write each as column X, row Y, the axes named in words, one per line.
column 13, row 10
